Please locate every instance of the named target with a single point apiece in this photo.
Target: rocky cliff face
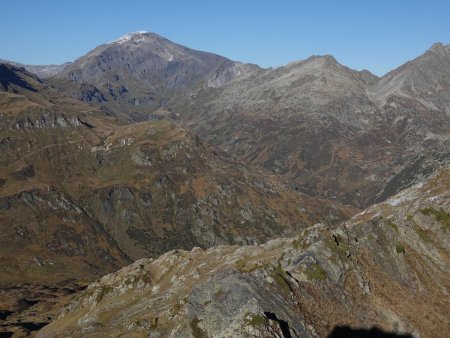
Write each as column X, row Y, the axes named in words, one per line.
column 155, row 186
column 386, row 267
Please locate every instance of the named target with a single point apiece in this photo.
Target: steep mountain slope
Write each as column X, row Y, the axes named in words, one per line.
column 387, row 267
column 326, row 129
column 141, row 71
column 81, row 193
column 415, row 101
column 425, row 78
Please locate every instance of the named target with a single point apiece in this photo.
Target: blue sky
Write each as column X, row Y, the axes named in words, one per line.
column 376, row 35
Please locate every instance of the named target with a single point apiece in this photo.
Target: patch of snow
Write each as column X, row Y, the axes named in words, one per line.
column 397, row 200
column 170, row 57
column 130, row 36
column 406, row 195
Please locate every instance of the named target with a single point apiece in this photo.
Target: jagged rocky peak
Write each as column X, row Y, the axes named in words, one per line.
column 316, row 116
column 313, row 60
column 439, row 47
column 437, row 52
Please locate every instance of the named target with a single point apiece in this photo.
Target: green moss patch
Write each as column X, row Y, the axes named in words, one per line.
column 196, row 331
column 336, row 244
column 298, row 243
column 256, row 320
column 440, row 215
column 279, row 275
column 400, row 248
column 315, row 272
column 391, row 224
column 247, row 265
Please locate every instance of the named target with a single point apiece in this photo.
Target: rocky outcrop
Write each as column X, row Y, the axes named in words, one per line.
column 384, row 269
column 41, row 119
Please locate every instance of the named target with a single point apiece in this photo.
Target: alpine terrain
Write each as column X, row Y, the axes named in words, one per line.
column 151, row 190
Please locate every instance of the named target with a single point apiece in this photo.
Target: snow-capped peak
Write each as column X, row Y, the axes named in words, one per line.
column 130, row 36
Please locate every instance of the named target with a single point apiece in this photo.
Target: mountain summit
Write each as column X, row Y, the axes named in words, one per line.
column 141, row 71
column 131, row 36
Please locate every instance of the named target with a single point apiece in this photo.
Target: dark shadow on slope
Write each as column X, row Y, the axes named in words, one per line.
column 9, row 77
column 348, row 332
column 5, row 314
column 284, row 326
column 6, row 334
column 32, row 326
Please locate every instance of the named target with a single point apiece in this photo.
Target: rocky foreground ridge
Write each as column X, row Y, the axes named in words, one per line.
column 386, row 267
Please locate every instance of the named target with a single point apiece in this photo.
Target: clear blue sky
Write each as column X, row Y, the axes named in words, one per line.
column 376, row 35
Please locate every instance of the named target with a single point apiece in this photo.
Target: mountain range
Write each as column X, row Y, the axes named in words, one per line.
column 143, row 147
column 330, row 131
